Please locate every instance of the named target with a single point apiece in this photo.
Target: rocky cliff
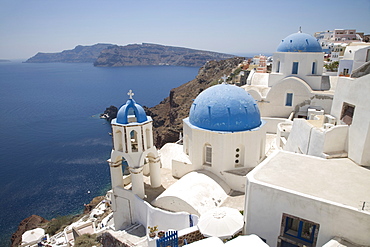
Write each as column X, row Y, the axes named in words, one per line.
column 80, row 54
column 168, row 115
column 153, row 54
column 29, row 223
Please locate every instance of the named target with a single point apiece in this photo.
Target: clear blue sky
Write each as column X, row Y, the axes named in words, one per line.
column 229, row 26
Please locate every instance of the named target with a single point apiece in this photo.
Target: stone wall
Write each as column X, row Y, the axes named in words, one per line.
column 107, row 240
column 191, row 237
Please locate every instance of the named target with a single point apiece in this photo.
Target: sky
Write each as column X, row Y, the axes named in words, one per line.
column 229, row 26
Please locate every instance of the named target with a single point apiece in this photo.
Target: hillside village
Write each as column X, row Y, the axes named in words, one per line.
column 274, row 154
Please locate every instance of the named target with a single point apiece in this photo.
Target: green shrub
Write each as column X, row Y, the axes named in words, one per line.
column 332, row 66
column 86, row 240
column 58, row 223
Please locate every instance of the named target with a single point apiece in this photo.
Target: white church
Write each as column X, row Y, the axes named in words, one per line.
column 312, row 191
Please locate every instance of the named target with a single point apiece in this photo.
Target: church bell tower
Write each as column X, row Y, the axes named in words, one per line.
column 133, row 143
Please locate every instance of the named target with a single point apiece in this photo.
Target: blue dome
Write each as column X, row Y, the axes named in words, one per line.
column 299, row 42
column 225, row 107
column 136, row 109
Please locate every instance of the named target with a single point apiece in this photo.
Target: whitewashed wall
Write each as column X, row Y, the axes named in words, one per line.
column 147, row 215
column 305, row 60
column 272, row 123
column 224, row 145
column 307, row 139
column 355, row 92
column 265, row 205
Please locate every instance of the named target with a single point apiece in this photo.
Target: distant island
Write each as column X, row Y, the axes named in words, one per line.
column 108, row 55
column 4, row 61
column 80, row 54
column 153, row 54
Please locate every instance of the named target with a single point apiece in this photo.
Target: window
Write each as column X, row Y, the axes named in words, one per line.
column 239, row 156
column 134, row 141
column 295, row 68
column 347, row 113
column 148, row 138
column 208, row 154
column 298, row 232
column 125, row 169
column 314, row 68
column 289, row 99
column 186, row 143
column 300, row 229
column 278, row 67
column 117, row 140
column 368, row 55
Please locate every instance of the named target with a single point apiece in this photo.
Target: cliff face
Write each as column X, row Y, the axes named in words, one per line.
column 152, row 54
column 29, row 223
column 168, row 115
column 80, row 54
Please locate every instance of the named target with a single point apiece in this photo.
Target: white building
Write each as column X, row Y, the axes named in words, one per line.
column 223, row 139
column 296, row 199
column 295, row 83
column 224, row 134
column 299, row 200
column 355, row 55
column 337, row 51
column 325, row 39
column 328, row 38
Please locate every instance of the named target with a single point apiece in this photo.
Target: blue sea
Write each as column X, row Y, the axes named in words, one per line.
column 53, row 145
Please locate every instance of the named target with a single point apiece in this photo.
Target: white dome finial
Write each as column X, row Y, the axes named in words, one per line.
column 224, row 78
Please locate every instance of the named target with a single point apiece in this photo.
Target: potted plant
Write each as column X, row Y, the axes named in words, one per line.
column 152, row 231
column 161, row 234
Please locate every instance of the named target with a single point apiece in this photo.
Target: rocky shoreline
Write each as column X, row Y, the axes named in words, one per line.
column 35, row 221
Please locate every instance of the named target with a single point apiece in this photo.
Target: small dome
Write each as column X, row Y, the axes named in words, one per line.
column 299, row 42
column 225, row 107
column 131, row 108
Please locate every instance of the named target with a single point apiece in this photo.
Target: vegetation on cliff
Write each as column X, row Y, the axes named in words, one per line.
column 168, row 115
column 153, row 54
column 80, row 54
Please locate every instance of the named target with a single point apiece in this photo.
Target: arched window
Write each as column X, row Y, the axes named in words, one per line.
column 278, row 67
column 148, row 138
column 125, row 170
column 208, row 154
column 134, row 141
column 314, row 67
column 117, row 140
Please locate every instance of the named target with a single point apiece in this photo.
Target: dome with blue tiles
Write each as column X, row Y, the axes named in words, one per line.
column 299, row 42
column 226, row 108
column 129, row 109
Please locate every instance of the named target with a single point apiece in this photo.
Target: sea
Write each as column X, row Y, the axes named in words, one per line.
column 53, row 145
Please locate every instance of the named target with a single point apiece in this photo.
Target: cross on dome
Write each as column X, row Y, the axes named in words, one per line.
column 224, row 78
column 300, row 30
column 130, row 93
